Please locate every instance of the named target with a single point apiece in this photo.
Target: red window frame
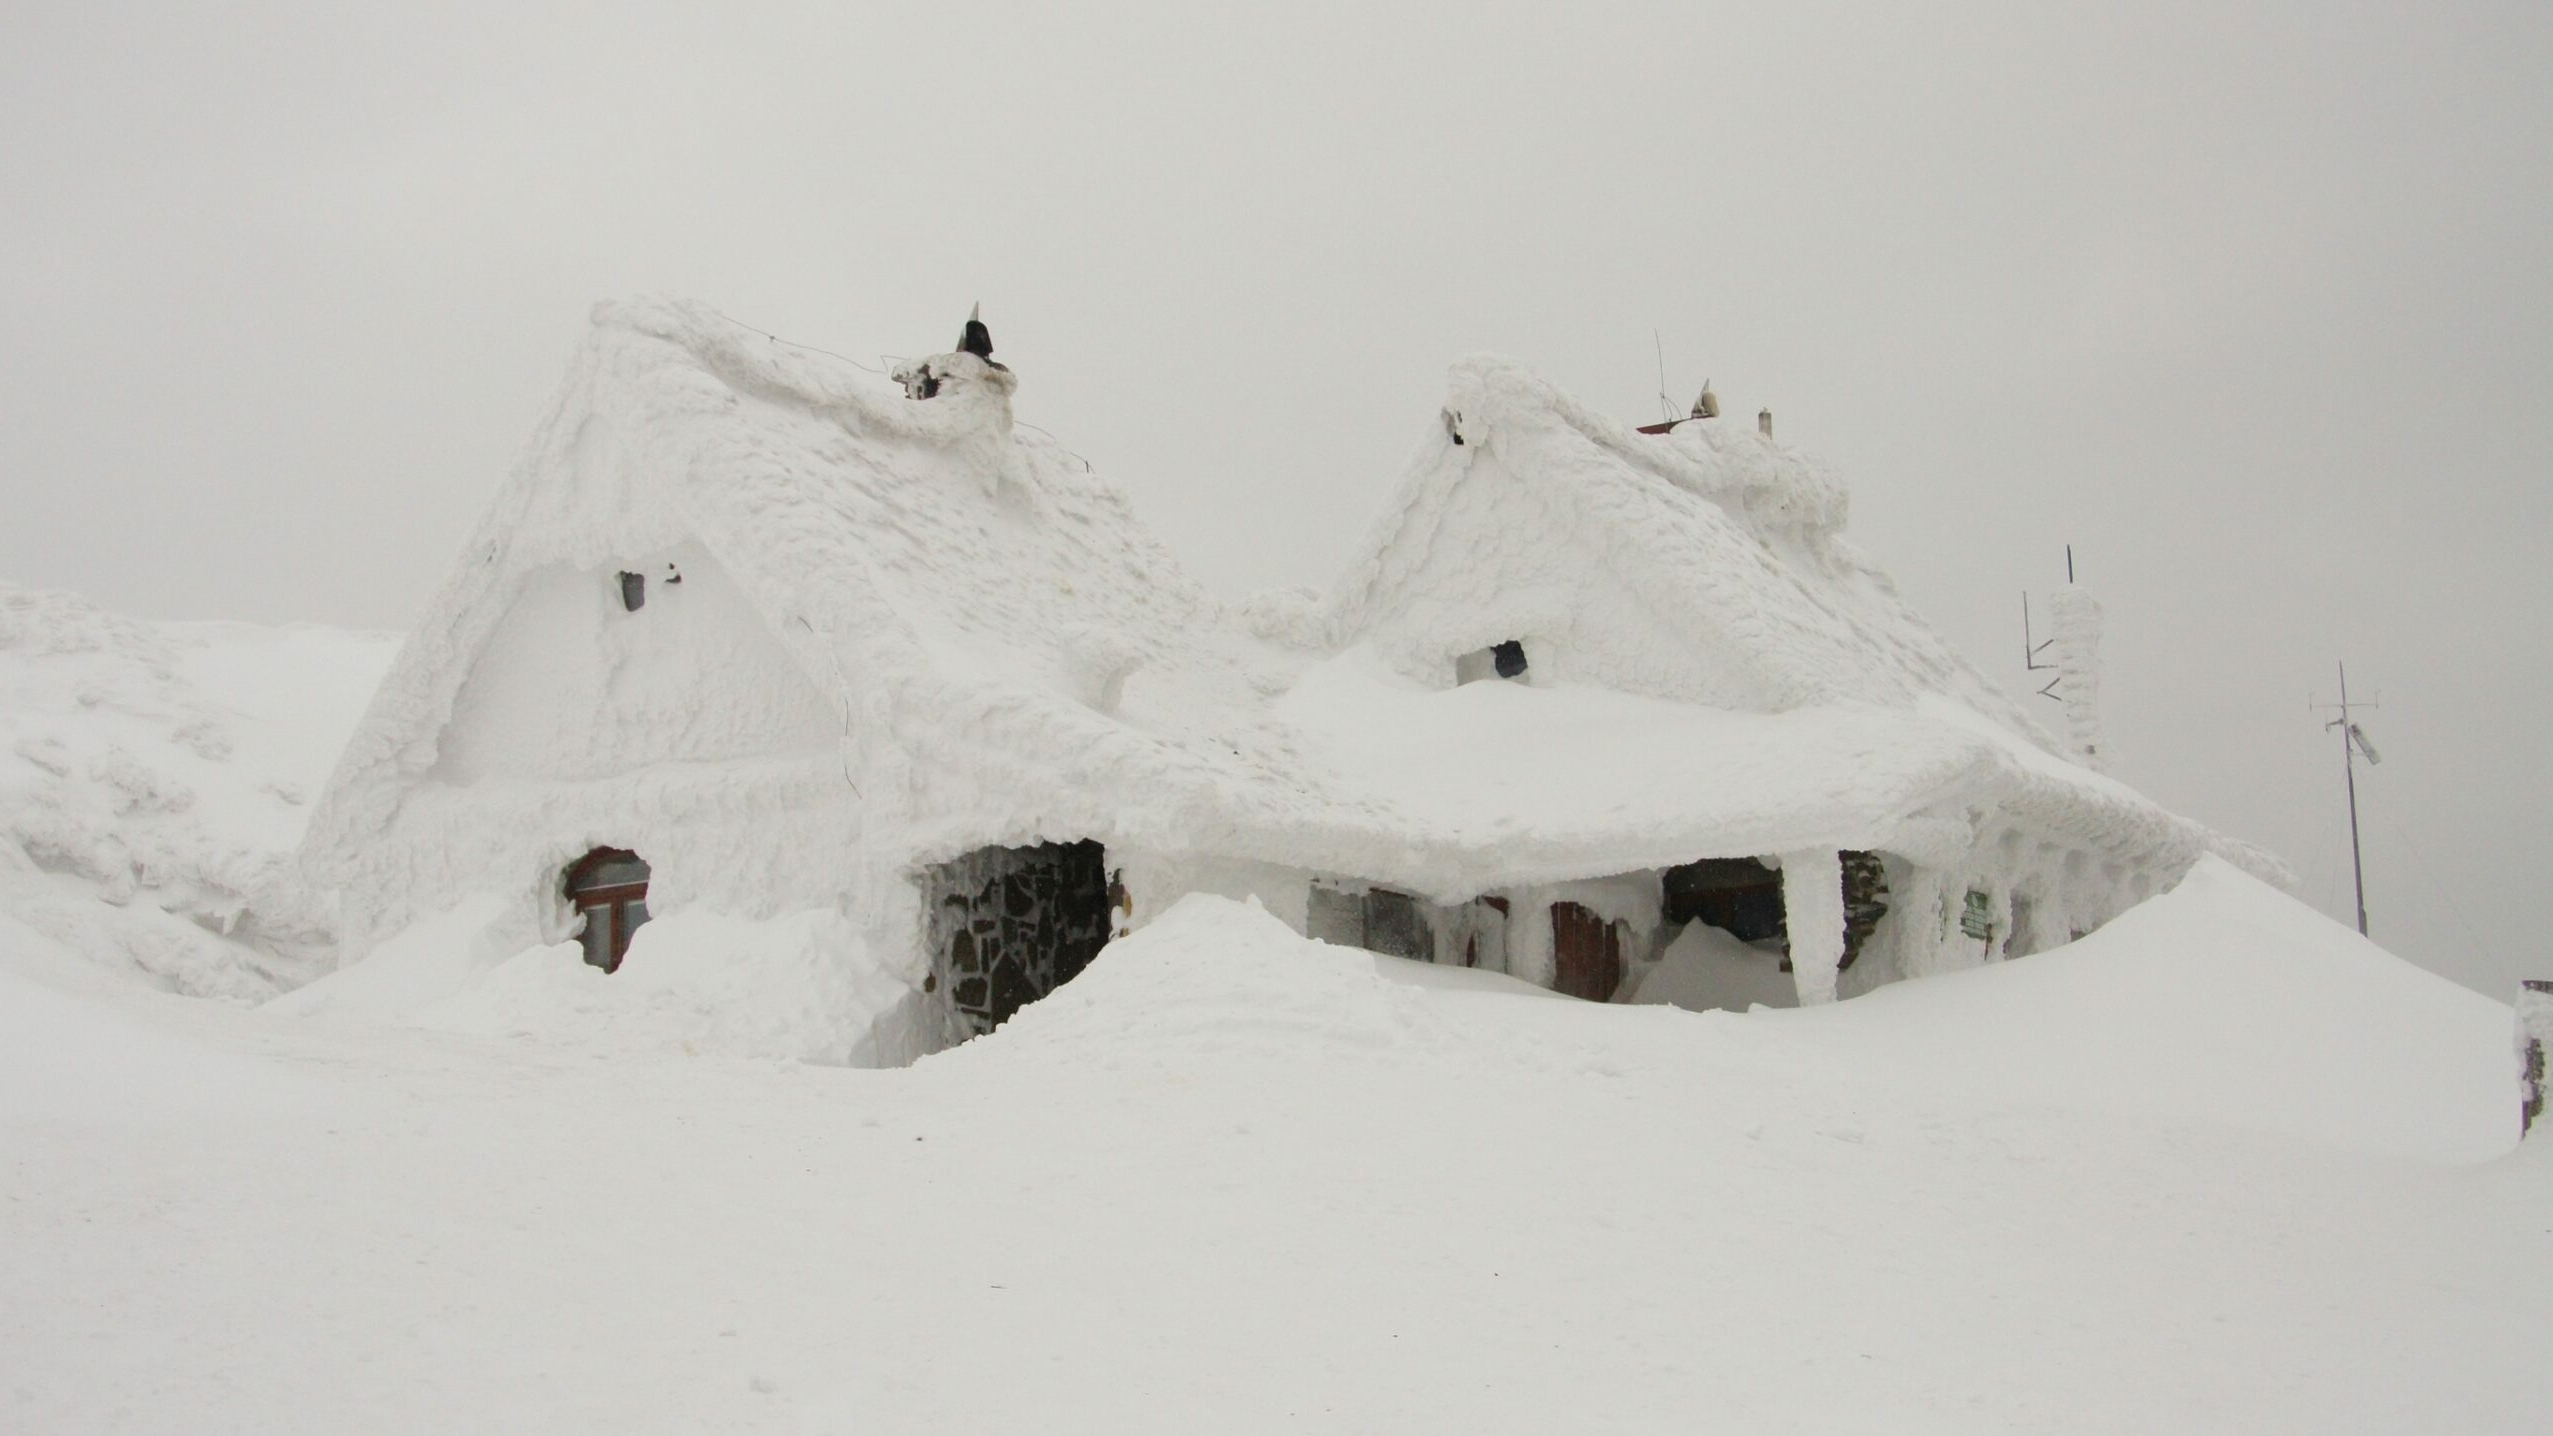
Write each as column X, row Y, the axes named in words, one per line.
column 609, row 902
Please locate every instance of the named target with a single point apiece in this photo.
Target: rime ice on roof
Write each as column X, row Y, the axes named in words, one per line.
column 908, row 633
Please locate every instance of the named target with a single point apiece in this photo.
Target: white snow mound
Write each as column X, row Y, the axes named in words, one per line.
column 154, row 779
column 71, row 1053
column 2224, row 1003
column 794, row 988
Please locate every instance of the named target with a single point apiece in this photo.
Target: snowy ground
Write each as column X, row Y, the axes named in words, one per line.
column 2220, row 1167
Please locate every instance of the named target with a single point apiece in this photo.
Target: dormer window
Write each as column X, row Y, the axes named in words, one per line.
column 1498, row 660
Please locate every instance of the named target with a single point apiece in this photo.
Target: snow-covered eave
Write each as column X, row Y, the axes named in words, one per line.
column 1032, row 767
column 1452, row 869
column 2109, row 819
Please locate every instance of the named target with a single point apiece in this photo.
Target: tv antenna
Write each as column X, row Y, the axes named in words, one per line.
column 2353, row 746
column 2030, row 651
column 1666, row 406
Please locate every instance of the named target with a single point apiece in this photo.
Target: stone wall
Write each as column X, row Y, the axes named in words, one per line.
column 1006, row 926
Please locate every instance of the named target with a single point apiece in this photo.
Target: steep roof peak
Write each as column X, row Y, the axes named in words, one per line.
column 1744, row 470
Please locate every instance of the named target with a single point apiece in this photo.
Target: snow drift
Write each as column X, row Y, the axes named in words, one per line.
column 1232, row 1180
column 793, row 988
column 154, row 779
column 2222, row 1003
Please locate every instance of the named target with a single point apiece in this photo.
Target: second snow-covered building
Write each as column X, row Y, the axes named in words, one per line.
column 753, row 632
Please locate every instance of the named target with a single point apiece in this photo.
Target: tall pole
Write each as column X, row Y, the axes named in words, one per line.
column 2349, row 770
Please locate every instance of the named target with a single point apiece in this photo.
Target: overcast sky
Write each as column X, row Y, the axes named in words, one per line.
column 2251, row 304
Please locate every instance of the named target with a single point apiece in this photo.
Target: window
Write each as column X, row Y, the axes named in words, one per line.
column 633, row 591
column 1394, row 927
column 609, row 886
column 1376, row 919
column 1498, row 660
column 1977, row 915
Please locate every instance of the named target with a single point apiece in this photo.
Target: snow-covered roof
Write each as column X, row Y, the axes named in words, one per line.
column 1727, row 536
column 1733, row 543
column 1016, row 657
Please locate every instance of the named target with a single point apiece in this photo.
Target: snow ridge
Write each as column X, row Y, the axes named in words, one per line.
column 154, row 779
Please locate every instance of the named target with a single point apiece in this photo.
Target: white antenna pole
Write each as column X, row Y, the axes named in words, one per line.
column 2350, row 741
column 1666, row 406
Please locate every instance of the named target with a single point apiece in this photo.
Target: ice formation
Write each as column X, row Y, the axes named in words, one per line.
column 807, row 644
column 2074, row 650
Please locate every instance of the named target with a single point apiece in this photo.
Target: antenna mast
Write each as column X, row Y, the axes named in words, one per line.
column 2030, row 651
column 1666, row 406
column 2353, row 744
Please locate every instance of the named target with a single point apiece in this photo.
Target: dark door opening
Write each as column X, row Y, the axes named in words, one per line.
column 1586, row 952
column 1007, row 926
column 609, row 886
column 1740, row 896
column 1743, row 897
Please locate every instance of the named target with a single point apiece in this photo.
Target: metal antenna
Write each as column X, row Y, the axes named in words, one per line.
column 2030, row 651
column 2353, row 746
column 1666, row 406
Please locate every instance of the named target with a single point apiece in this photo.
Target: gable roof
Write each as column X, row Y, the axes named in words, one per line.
column 1724, row 534
column 1017, row 657
column 1732, row 537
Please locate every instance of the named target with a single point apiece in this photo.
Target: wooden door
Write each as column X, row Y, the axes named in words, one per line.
column 1586, row 952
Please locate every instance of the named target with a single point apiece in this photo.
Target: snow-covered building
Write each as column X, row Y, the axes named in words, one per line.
column 753, row 631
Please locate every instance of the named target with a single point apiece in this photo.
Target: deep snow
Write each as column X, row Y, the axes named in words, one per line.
column 2221, row 1167
column 155, row 778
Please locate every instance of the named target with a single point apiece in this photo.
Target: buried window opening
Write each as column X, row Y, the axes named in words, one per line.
column 1743, row 898
column 609, row 887
column 1375, row 919
column 1498, row 660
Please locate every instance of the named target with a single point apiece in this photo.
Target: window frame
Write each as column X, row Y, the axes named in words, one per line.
column 613, row 900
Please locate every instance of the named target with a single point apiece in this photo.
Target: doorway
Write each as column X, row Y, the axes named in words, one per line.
column 1586, row 953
